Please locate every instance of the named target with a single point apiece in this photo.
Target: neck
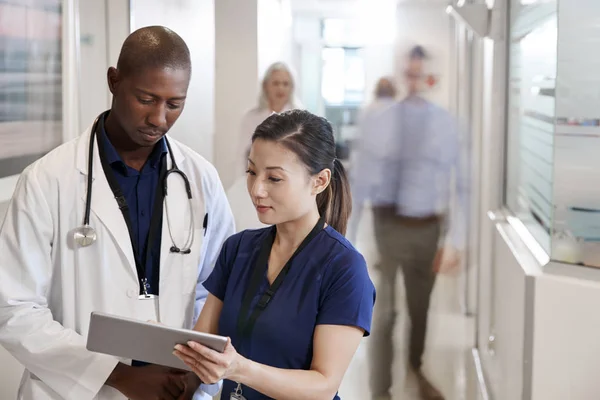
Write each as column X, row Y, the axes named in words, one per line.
column 132, row 154
column 277, row 107
column 291, row 234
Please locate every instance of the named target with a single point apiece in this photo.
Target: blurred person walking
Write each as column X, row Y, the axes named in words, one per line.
column 415, row 227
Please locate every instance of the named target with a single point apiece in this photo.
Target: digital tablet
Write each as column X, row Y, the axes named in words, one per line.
column 144, row 341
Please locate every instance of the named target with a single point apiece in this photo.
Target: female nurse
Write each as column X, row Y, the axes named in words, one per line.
column 294, row 298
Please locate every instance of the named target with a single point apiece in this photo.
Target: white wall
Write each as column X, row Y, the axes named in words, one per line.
column 194, row 21
column 274, row 33
column 250, row 36
column 566, row 345
column 236, row 78
column 103, row 26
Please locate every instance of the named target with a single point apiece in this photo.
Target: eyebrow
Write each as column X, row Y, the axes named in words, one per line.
column 270, row 168
column 155, row 96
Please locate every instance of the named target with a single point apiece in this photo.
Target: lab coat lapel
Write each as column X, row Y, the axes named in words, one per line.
column 176, row 213
column 103, row 203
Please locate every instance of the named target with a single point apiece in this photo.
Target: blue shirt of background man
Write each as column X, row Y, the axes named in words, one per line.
column 139, row 189
column 328, row 284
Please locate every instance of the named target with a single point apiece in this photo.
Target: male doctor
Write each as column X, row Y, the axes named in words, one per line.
column 53, row 273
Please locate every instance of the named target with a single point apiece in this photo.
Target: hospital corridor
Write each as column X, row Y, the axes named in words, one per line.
column 299, row 199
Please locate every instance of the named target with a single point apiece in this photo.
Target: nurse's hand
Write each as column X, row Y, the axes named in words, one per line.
column 210, row 366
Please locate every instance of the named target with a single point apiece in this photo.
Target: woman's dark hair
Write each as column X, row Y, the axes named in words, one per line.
column 311, row 138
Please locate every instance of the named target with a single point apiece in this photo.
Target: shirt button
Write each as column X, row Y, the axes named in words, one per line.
column 131, row 293
column 143, row 213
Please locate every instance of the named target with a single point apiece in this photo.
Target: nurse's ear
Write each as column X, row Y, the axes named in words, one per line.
column 320, row 181
column 114, row 79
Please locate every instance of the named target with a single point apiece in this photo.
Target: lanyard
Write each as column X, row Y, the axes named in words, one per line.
column 244, row 329
column 155, row 221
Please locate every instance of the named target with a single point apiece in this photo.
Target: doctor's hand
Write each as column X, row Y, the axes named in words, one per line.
column 210, row 366
column 191, row 383
column 150, row 382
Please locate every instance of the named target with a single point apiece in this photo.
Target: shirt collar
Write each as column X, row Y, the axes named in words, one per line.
column 113, row 157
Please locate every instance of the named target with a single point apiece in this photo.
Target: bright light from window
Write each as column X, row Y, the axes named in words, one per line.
column 343, row 79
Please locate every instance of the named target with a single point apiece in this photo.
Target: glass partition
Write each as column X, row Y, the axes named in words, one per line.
column 576, row 236
column 553, row 138
column 530, row 110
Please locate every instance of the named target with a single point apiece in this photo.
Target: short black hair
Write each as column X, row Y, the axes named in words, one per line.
column 153, row 47
column 417, row 53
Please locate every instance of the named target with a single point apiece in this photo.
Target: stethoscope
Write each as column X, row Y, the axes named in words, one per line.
column 85, row 235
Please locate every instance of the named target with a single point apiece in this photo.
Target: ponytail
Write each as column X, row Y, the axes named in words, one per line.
column 335, row 202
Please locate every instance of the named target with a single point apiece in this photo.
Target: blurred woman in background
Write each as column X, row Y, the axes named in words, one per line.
column 276, row 95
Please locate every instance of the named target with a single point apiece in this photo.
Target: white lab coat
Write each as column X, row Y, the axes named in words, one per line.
column 49, row 286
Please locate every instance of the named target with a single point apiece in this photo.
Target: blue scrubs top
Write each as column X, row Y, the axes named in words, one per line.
column 328, row 283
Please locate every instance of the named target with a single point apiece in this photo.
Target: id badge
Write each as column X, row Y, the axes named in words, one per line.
column 237, row 393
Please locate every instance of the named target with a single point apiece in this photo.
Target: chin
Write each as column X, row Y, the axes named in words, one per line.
column 269, row 218
column 264, row 219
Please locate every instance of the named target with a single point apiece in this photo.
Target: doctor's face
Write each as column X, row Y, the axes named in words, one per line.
column 147, row 104
column 278, row 88
column 279, row 184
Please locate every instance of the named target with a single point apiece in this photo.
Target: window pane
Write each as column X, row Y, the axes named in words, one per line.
column 531, row 116
column 30, row 82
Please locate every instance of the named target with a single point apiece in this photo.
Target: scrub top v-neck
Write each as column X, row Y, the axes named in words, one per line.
column 327, row 284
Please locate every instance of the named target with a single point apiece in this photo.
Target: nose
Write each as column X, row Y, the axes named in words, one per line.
column 257, row 189
column 158, row 116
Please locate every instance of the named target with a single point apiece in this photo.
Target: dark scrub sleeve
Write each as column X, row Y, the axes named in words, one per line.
column 216, row 283
column 347, row 293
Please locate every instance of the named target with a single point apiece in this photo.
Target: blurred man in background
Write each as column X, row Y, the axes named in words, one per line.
column 376, row 129
column 409, row 184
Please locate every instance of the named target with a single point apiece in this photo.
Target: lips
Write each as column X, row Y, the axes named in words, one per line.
column 262, row 209
column 151, row 133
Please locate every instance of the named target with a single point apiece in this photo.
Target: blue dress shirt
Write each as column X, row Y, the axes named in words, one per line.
column 139, row 189
column 410, row 156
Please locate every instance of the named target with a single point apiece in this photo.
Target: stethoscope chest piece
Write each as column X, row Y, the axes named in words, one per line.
column 85, row 235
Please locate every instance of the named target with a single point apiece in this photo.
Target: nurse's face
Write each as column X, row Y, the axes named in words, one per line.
column 147, row 104
column 278, row 88
column 279, row 183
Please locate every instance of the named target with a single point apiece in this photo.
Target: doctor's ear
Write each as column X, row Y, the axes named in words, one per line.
column 113, row 78
column 321, row 181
